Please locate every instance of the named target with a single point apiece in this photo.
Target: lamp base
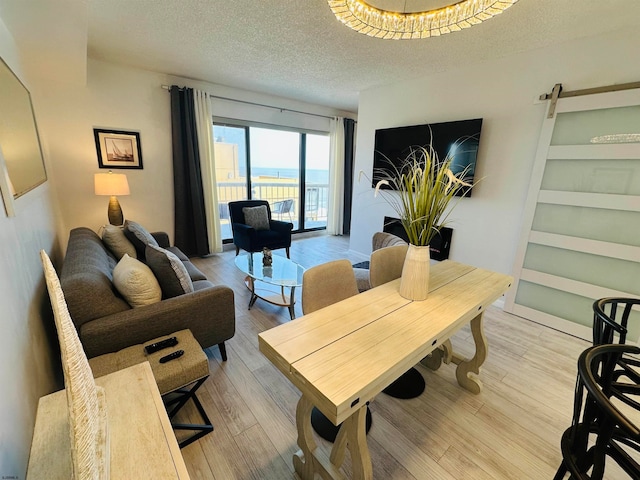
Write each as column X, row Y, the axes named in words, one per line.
column 114, row 212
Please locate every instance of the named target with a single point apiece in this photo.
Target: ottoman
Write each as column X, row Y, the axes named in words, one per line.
column 178, row 379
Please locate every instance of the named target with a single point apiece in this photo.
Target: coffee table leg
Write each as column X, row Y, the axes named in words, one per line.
column 292, row 300
column 468, row 369
column 252, row 287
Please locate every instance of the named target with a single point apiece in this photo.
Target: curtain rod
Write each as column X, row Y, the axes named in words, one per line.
column 167, row 87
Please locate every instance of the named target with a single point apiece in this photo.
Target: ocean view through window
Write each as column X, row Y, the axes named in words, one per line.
column 289, row 169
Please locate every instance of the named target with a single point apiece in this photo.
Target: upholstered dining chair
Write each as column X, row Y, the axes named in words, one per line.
column 379, row 241
column 322, row 286
column 386, row 264
column 254, row 229
column 326, row 284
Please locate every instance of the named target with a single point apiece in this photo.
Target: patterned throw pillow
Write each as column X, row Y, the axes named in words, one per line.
column 116, row 241
column 136, row 282
column 256, row 217
column 169, row 270
column 139, row 236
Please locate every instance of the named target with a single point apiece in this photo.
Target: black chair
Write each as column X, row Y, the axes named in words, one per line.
column 278, row 234
column 611, row 325
column 611, row 319
column 599, row 429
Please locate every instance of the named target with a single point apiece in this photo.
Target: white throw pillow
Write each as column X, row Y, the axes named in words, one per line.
column 136, row 282
column 116, row 241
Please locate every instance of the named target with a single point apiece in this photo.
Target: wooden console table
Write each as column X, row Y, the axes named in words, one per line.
column 342, row 356
column 142, row 442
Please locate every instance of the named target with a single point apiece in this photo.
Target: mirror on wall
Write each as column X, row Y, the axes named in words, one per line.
column 19, row 141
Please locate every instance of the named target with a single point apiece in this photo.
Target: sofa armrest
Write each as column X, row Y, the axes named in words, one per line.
column 209, row 314
column 162, row 238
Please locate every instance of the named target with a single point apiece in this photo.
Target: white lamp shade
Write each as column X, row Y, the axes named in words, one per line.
column 111, row 184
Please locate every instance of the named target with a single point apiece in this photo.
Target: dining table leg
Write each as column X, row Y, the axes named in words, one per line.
column 467, row 370
column 352, row 436
column 303, row 459
column 356, row 433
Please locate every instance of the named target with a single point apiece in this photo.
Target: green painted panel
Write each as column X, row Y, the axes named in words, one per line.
column 578, row 128
column 574, row 308
column 592, row 223
column 563, row 305
column 619, row 177
column 606, row 272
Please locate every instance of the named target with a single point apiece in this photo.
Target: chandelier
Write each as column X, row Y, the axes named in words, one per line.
column 360, row 16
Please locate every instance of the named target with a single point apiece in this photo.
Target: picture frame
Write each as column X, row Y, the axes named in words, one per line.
column 118, row 149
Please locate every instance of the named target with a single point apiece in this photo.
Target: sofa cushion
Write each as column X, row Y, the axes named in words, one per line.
column 136, row 282
column 116, row 241
column 193, row 271
column 171, row 273
column 86, row 278
column 256, row 217
column 139, row 236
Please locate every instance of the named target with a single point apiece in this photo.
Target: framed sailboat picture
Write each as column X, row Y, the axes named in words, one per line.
column 118, row 149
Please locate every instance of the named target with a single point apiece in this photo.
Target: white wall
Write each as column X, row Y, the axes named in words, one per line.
column 126, row 98
column 28, row 368
column 503, row 93
column 67, row 110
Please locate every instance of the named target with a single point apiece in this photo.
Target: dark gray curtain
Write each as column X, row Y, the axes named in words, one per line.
column 190, row 217
column 349, row 133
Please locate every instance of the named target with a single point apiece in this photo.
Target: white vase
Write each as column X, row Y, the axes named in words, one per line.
column 414, row 283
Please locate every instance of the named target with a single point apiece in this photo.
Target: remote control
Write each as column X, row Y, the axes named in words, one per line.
column 154, row 347
column 171, row 356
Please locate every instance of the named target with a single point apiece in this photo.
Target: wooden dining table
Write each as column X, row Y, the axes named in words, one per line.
column 342, row 356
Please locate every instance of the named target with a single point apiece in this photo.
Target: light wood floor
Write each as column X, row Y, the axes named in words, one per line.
column 510, row 431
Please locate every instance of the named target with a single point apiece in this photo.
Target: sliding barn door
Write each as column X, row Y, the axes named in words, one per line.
column 581, row 224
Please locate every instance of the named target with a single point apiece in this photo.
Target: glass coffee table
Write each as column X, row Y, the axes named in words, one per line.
column 282, row 273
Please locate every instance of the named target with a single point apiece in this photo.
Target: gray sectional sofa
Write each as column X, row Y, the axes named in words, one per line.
column 107, row 323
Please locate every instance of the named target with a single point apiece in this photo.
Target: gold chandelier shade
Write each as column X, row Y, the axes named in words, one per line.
column 364, row 18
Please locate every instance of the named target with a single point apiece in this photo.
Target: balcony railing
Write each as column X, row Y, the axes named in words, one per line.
column 316, row 201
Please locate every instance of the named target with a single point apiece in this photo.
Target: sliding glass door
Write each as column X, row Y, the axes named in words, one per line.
column 230, row 152
column 316, row 181
column 288, row 168
column 275, row 171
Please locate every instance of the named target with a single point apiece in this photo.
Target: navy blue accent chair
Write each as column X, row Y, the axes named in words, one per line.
column 252, row 240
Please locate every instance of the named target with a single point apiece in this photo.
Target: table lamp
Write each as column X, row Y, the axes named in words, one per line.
column 112, row 184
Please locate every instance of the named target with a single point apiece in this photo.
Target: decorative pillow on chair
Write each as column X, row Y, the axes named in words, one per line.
column 169, row 270
column 256, row 217
column 116, row 241
column 139, row 236
column 136, row 282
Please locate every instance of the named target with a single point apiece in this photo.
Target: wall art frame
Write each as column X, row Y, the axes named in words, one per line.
column 118, row 149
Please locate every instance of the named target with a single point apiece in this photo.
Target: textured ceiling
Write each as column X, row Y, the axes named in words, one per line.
column 297, row 49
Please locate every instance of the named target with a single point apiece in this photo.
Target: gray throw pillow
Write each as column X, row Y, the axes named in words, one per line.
column 169, row 270
column 256, row 217
column 139, row 236
column 116, row 241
